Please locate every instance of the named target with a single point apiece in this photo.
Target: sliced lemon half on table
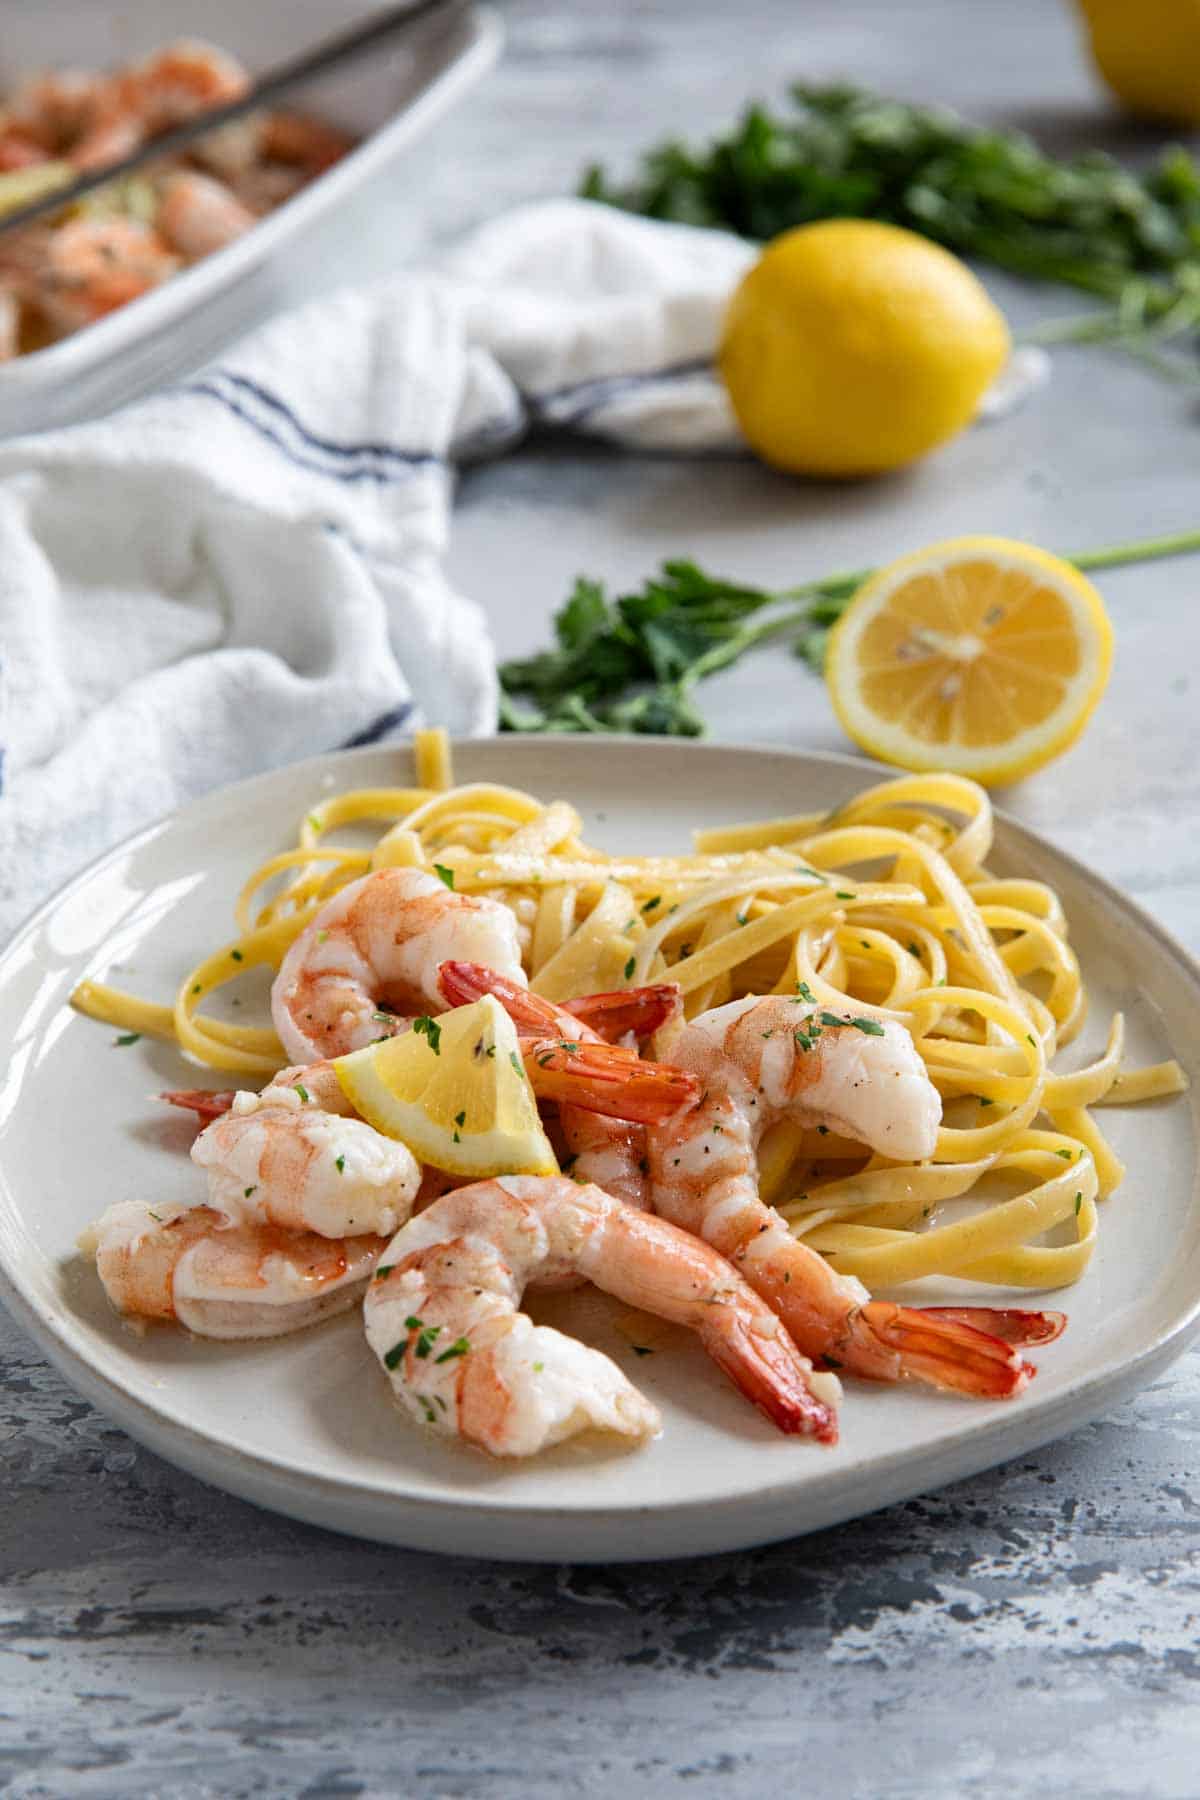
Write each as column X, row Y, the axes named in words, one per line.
column 453, row 1089
column 979, row 655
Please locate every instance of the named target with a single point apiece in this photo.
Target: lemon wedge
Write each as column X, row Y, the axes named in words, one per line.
column 453, row 1089
column 979, row 655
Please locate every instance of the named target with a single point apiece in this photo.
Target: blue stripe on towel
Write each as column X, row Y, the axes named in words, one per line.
column 272, row 419
column 581, row 397
column 382, row 727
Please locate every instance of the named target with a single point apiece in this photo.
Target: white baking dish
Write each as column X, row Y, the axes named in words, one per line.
column 386, row 99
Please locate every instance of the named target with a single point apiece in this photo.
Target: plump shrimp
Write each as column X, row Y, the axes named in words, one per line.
column 190, row 1265
column 275, row 1160
column 197, row 214
column 442, row 1316
column 311, row 145
column 94, row 265
column 181, row 80
column 10, row 324
column 369, row 960
column 763, row 1060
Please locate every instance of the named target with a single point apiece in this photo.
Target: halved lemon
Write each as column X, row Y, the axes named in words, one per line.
column 979, row 655
column 453, row 1089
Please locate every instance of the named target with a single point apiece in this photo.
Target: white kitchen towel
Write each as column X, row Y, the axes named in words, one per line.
column 246, row 568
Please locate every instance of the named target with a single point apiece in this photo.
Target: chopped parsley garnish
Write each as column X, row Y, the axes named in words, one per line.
column 872, row 1027
column 315, row 821
column 743, row 918
column 322, row 936
column 806, row 993
column 460, row 1347
column 984, row 1101
column 383, row 1018
column 412, row 1323
column 824, row 1130
column 236, row 955
column 841, row 894
column 250, row 1190
column 649, row 905
column 395, row 1356
column 128, row 1037
column 303, row 1093
column 1078, row 1204
column 383, row 1271
column 630, row 966
column 1030, row 1039
column 340, row 1165
column 429, row 1028
column 444, row 874
column 426, row 1339
column 517, row 1064
column 1067, row 1155
column 197, row 989
column 461, row 1118
column 641, row 1350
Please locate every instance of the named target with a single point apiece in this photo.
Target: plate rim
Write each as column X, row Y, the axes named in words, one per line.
column 980, row 1442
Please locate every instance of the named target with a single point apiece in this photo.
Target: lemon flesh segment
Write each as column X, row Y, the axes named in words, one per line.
column 979, row 655
column 456, row 1094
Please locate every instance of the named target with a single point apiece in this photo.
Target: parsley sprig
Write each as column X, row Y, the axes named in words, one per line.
column 632, row 663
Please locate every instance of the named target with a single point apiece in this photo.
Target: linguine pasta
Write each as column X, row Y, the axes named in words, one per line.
column 885, row 907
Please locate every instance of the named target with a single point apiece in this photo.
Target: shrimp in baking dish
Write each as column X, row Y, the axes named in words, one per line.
column 377, row 945
column 94, row 265
column 190, row 1265
column 760, row 1060
column 197, row 214
column 442, row 1315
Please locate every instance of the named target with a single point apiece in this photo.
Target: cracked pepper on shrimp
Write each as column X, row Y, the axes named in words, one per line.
column 768, row 1071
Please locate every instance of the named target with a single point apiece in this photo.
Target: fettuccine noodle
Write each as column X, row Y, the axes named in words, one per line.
column 885, row 907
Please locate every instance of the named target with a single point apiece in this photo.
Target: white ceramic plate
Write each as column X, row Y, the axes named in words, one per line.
column 305, row 1425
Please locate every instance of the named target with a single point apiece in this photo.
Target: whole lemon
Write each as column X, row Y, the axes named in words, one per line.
column 851, row 347
column 1148, row 52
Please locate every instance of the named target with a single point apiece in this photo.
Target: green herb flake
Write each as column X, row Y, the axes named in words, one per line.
column 460, row 1347
column 649, row 905
column 1067, row 1155
column 383, row 1271
column 237, row 956
column 315, row 822
column 246, row 1192
column 430, row 1029
column 841, row 894
column 538, row 1367
column 806, row 993
column 340, row 1165
column 427, row 1337
column 444, row 874
column 126, row 1038
column 630, row 966
column 517, row 1064
column 395, row 1356
column 303, row 1093
column 1078, row 1204
column 461, row 1118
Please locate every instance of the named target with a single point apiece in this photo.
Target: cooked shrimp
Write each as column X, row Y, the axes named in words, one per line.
column 765, row 1059
column 95, row 265
column 277, row 1161
column 369, row 959
column 181, row 80
column 198, row 214
column 442, row 1316
column 310, row 144
column 190, row 1265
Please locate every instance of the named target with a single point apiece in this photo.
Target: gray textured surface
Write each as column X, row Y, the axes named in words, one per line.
column 1034, row 1630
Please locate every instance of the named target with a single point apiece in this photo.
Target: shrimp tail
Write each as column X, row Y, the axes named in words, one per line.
column 206, row 1103
column 890, row 1342
column 1012, row 1324
column 602, row 1078
column 642, row 1010
column 765, row 1370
